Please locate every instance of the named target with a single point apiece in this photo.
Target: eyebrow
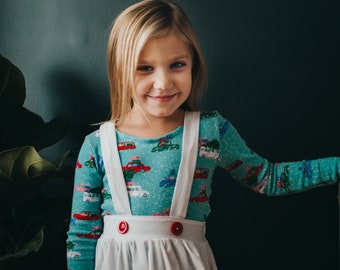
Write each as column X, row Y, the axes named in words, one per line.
column 181, row 56
column 173, row 59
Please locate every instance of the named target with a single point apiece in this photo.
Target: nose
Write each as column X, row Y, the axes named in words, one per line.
column 163, row 80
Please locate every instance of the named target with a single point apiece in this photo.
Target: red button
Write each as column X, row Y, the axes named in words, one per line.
column 176, row 228
column 123, row 227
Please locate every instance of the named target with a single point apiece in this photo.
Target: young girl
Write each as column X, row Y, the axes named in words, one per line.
column 143, row 180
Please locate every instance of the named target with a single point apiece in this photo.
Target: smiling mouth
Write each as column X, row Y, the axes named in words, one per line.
column 163, row 98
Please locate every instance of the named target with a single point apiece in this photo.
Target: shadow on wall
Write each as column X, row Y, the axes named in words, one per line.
column 84, row 102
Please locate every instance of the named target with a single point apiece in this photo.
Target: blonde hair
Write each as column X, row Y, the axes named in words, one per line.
column 130, row 32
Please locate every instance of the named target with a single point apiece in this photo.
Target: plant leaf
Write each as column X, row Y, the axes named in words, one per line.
column 60, row 161
column 12, row 90
column 38, row 133
column 19, row 126
column 22, row 164
column 29, row 129
column 32, row 246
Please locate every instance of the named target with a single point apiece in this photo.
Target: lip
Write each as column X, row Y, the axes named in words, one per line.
column 163, row 98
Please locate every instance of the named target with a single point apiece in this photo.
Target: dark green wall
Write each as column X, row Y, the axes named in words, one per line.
column 274, row 73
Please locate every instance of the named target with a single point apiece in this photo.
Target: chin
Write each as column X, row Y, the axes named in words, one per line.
column 163, row 113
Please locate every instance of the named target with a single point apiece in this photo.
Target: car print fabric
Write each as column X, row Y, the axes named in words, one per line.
column 150, row 168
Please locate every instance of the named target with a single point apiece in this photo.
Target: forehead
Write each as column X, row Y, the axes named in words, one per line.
column 167, row 46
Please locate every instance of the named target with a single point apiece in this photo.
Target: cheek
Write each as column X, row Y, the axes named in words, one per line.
column 187, row 82
column 141, row 86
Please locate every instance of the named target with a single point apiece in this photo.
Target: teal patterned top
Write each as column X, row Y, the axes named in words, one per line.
column 150, row 169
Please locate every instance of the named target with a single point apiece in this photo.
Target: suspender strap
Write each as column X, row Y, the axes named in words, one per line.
column 187, row 166
column 113, row 169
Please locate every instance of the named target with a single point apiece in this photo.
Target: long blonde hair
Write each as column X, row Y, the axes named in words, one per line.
column 130, row 32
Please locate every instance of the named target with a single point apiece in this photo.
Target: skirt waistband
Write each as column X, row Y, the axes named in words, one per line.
column 150, row 227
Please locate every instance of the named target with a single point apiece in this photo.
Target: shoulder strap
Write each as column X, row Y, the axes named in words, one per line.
column 113, row 169
column 187, row 166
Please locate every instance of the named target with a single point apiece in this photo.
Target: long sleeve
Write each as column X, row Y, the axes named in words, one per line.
column 86, row 221
column 272, row 178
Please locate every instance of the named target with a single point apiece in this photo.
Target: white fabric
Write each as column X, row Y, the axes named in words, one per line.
column 113, row 169
column 154, row 254
column 149, row 243
column 187, row 166
column 152, row 227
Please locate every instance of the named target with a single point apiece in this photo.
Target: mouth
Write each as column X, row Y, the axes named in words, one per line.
column 164, row 98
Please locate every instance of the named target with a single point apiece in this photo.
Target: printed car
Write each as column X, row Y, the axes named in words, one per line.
column 199, row 198
column 208, row 152
column 91, row 235
column 136, row 166
column 73, row 254
column 91, row 197
column 165, row 144
column 252, row 173
column 203, row 141
column 86, row 215
column 169, row 181
column 234, row 165
column 201, row 173
column 137, row 191
column 126, row 145
column 83, row 187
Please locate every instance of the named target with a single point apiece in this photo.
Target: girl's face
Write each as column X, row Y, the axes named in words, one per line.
column 163, row 76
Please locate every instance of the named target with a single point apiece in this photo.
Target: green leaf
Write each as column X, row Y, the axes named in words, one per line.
column 23, row 164
column 35, row 132
column 25, row 212
column 32, row 246
column 59, row 162
column 12, row 90
column 19, row 126
column 27, row 128
column 22, row 173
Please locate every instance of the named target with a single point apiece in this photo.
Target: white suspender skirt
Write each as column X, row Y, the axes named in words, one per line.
column 152, row 242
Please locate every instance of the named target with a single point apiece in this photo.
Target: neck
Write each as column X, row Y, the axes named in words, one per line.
column 145, row 126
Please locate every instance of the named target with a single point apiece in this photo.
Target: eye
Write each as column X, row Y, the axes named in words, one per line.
column 144, row 68
column 177, row 65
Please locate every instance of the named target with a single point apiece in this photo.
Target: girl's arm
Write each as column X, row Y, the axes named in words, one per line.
column 86, row 221
column 273, row 178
